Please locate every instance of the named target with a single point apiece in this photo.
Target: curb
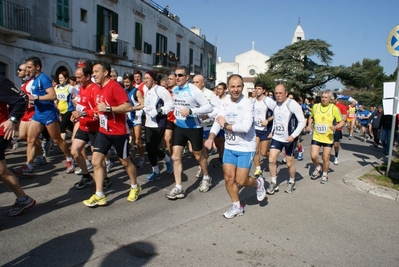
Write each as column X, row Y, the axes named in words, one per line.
column 352, row 179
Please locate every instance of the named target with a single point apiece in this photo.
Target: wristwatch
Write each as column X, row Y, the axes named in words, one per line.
column 13, row 119
column 225, row 125
column 109, row 109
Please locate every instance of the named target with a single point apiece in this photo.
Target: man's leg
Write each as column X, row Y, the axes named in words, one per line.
column 273, row 155
column 326, row 164
column 177, row 164
column 55, row 134
column 34, row 130
column 258, row 170
column 314, row 155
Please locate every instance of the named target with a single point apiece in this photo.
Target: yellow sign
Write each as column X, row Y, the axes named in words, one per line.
column 393, row 41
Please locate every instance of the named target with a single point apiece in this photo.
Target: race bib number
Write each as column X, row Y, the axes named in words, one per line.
column 177, row 113
column 103, row 121
column 351, row 115
column 229, row 137
column 79, row 107
column 279, row 129
column 62, row 96
column 321, row 128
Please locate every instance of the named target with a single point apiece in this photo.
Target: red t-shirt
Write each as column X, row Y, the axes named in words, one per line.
column 140, row 87
column 343, row 110
column 30, row 110
column 171, row 115
column 86, row 101
column 112, row 94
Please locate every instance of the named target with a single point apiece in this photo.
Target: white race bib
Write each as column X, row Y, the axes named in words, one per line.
column 79, row 107
column 62, row 96
column 321, row 128
column 230, row 138
column 103, row 121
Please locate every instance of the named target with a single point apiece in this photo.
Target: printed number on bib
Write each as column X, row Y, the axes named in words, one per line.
column 351, row 115
column 279, row 129
column 62, row 96
column 79, row 107
column 177, row 113
column 229, row 137
column 103, row 121
column 321, row 128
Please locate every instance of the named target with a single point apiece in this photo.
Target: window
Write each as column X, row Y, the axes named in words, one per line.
column 178, row 48
column 298, row 39
column 106, row 21
column 138, row 37
column 63, row 13
column 147, row 48
column 201, row 61
column 83, row 15
column 162, row 43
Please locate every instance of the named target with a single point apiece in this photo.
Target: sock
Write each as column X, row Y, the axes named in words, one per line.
column 258, row 168
column 274, row 180
column 336, row 155
column 300, row 149
column 133, row 186
column 237, row 204
column 292, row 180
column 325, row 174
column 86, row 175
column 30, row 166
column 69, row 159
column 166, row 158
column 205, row 177
column 155, row 169
column 179, row 186
column 100, row 194
column 318, row 168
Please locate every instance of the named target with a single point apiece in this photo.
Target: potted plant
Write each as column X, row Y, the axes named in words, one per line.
column 103, row 44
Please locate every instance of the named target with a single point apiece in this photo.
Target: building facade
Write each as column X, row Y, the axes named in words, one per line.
column 60, row 32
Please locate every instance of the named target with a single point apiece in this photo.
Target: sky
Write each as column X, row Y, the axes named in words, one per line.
column 354, row 29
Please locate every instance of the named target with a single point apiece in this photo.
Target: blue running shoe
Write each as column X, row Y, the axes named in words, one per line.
column 153, row 176
column 169, row 167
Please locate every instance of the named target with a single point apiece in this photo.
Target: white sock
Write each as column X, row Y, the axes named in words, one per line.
column 205, row 177
column 179, row 186
column 274, row 180
column 133, row 186
column 155, row 169
column 100, row 194
column 258, row 168
column 237, row 204
column 292, row 180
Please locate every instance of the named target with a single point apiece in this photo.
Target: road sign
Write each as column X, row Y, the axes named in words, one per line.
column 393, row 41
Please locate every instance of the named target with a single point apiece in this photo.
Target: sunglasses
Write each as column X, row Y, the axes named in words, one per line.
column 179, row 75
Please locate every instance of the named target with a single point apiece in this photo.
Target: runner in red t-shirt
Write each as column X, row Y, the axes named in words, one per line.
column 87, row 125
column 112, row 106
column 338, row 132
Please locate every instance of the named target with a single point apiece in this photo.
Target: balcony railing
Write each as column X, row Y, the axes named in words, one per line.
column 104, row 46
column 162, row 10
column 165, row 60
column 14, row 17
column 195, row 69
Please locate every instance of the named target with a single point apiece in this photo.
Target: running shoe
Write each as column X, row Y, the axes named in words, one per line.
column 284, row 161
column 107, row 183
column 83, row 182
column 47, row 145
column 110, row 164
column 350, row 137
column 153, row 176
column 290, row 187
column 218, row 164
column 141, row 163
column 199, row 173
column 324, row 179
column 14, row 143
column 260, row 189
column 273, row 187
column 336, row 161
column 19, row 206
column 315, row 174
column 24, row 170
column 205, row 184
column 134, row 194
column 39, row 161
column 234, row 211
column 70, row 166
column 300, row 155
column 89, row 166
column 175, row 193
column 257, row 173
column 94, row 200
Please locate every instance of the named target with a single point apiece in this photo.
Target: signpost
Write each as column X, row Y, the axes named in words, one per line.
column 393, row 49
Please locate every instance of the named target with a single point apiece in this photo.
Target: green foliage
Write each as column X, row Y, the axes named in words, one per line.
column 371, row 75
column 306, row 66
column 267, row 79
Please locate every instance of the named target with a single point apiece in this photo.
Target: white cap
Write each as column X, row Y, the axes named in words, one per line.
column 119, row 79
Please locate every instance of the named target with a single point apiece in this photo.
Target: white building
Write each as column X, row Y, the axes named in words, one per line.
column 249, row 64
column 60, row 32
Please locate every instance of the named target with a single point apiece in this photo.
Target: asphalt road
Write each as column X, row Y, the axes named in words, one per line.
column 318, row 225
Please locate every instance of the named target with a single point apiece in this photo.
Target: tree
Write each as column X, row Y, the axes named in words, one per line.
column 372, row 75
column 267, row 79
column 306, row 66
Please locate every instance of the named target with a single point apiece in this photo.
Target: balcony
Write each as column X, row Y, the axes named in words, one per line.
column 105, row 47
column 165, row 61
column 14, row 19
column 195, row 69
